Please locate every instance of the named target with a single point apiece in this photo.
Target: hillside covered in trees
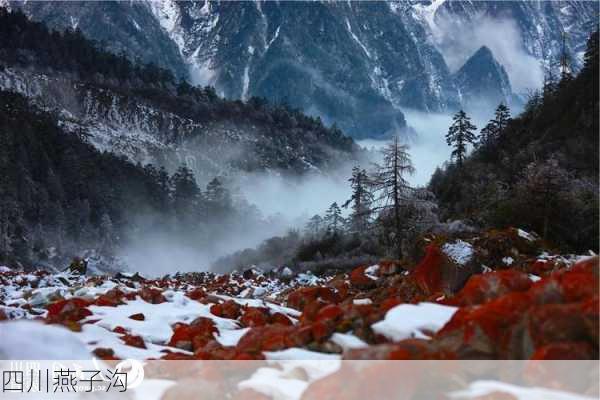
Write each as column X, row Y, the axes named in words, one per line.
column 144, row 113
column 60, row 197
column 538, row 170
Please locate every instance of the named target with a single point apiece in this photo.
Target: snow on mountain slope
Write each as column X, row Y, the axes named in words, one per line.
column 145, row 132
column 354, row 63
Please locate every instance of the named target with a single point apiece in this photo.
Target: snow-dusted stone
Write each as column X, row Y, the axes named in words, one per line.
column 410, row 320
column 348, row 341
column 460, row 252
column 29, row 340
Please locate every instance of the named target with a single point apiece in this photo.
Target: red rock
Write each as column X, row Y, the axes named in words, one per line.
column 255, row 316
column 176, row 356
column 213, row 350
column 428, row 274
column 299, row 298
column 565, row 351
column 577, row 286
column 138, row 317
column 68, row 310
column 280, row 318
column 299, row 336
column 389, row 303
column 193, row 336
column 133, row 340
column 485, row 287
column 309, row 313
column 488, row 327
column 255, row 339
column 112, row 298
column 181, row 337
column 152, row 295
column 120, row 330
column 322, row 330
column 196, row 294
column 589, row 265
column 3, row 316
column 330, row 312
column 105, row 354
column 388, row 267
column 552, row 323
column 359, row 279
column 230, row 309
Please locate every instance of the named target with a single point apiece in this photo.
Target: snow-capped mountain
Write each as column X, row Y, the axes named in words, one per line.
column 357, row 64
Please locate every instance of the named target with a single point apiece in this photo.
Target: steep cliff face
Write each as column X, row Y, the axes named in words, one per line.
column 357, row 64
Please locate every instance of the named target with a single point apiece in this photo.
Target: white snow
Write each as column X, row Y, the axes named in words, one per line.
column 460, row 252
column 30, row 340
column 410, row 320
column 525, row 235
column 356, row 39
column 97, row 337
column 508, row 260
column 479, row 389
column 534, row 278
column 371, row 271
column 231, row 337
column 348, row 341
column 152, row 389
column 275, row 384
column 296, row 353
column 362, row 301
column 156, row 327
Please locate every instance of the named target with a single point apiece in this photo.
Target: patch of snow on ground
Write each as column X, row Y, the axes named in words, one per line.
column 410, row 320
column 296, row 353
column 460, row 252
column 231, row 337
column 508, row 260
column 30, row 340
column 480, row 389
column 156, row 328
column 348, row 341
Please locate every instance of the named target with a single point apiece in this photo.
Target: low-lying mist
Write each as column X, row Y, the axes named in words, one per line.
column 274, row 203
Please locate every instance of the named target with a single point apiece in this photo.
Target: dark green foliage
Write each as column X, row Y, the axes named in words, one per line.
column 460, row 134
column 60, row 197
column 542, row 171
column 24, row 43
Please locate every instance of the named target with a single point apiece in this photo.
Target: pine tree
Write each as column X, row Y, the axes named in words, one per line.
column 490, row 134
column 186, row 194
column 218, row 199
column 459, row 135
column 314, row 226
column 390, row 184
column 333, row 218
column 360, row 201
column 501, row 118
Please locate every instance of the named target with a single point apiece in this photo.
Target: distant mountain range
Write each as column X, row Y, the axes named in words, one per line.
column 357, row 64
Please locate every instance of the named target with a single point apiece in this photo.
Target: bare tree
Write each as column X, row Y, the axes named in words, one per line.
column 391, row 188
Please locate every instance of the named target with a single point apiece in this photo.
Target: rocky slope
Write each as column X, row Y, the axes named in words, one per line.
column 499, row 294
column 356, row 64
